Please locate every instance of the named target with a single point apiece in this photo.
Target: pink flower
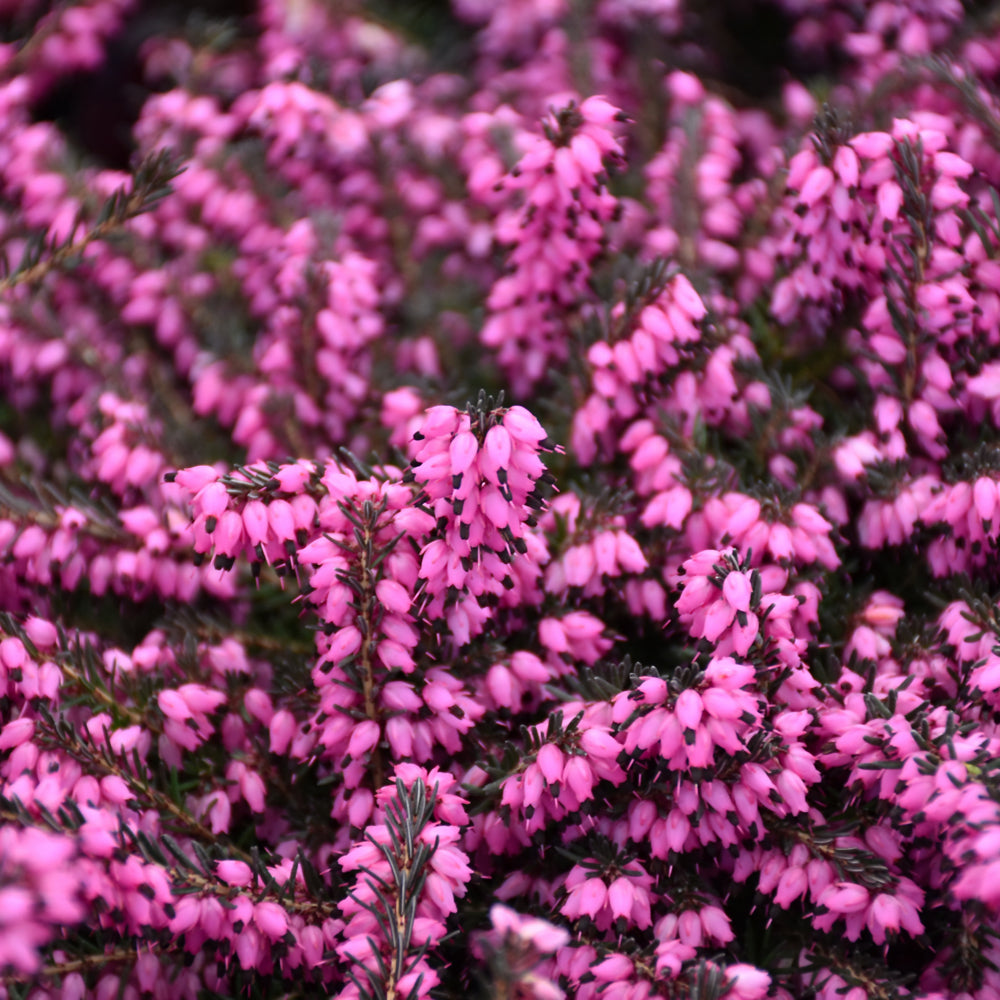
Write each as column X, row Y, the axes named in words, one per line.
column 271, row 919
column 986, row 384
column 544, row 937
column 737, row 588
column 716, row 924
column 689, row 709
column 587, row 898
column 16, row 732
column 234, row 872
column 746, row 982
column 844, row 898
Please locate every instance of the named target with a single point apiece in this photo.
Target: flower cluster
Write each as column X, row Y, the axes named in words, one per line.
column 39, row 890
column 555, row 236
column 500, row 499
column 410, row 871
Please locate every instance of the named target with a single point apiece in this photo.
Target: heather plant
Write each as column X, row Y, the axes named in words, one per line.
column 500, row 500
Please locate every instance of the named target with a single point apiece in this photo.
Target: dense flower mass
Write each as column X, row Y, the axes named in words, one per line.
column 500, row 499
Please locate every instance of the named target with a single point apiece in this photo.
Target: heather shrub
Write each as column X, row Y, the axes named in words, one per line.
column 500, row 500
